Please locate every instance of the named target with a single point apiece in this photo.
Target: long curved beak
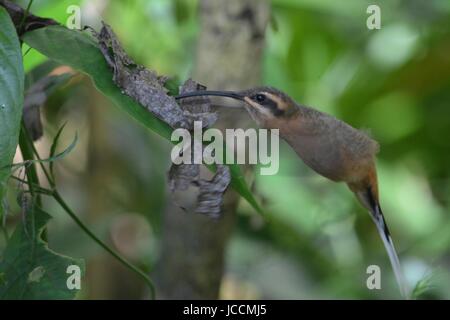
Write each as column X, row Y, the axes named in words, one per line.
column 229, row 94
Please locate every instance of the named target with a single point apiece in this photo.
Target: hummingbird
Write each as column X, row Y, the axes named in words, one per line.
column 327, row 145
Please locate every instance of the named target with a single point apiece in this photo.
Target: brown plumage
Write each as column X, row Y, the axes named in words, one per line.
column 327, row 145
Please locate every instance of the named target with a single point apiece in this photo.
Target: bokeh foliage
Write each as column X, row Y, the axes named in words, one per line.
column 394, row 81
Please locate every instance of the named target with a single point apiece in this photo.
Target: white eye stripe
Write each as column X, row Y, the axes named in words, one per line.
column 278, row 101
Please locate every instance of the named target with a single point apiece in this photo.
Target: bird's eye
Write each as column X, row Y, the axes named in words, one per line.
column 260, row 98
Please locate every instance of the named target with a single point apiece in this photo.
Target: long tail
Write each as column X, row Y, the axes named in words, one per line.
column 380, row 222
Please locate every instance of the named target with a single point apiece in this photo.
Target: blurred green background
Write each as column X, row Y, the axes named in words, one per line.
column 394, row 81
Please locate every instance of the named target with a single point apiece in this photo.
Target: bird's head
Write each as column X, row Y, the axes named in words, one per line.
column 265, row 104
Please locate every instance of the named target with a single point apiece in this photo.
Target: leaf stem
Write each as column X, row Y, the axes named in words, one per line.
column 27, row 151
column 25, row 16
column 34, row 151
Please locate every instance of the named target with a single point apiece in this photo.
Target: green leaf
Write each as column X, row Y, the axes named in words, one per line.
column 173, row 86
column 29, row 269
column 238, row 183
column 11, row 96
column 80, row 51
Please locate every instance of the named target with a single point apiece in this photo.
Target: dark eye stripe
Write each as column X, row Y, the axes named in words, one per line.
column 273, row 107
column 268, row 103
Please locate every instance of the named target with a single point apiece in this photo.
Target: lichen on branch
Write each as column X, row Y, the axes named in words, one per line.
column 147, row 88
